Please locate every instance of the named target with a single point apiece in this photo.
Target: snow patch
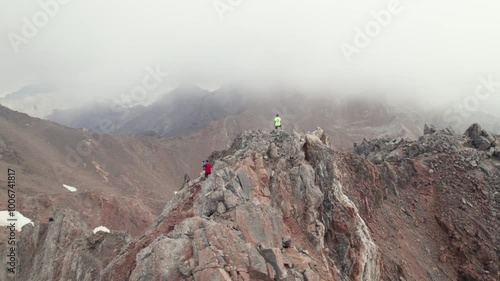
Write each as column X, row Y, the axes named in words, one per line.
column 21, row 220
column 101, row 228
column 70, row 188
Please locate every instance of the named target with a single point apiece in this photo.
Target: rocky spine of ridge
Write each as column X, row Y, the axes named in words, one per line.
column 285, row 206
column 484, row 146
column 272, row 210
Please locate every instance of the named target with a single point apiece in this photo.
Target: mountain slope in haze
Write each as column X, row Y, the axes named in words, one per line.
column 347, row 119
column 285, row 206
column 189, row 108
column 185, row 109
column 37, row 100
column 122, row 182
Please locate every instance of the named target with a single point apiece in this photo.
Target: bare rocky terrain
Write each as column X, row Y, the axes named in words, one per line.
column 286, row 206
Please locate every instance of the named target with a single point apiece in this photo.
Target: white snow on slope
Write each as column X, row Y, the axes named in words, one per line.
column 70, row 188
column 21, row 220
column 101, row 228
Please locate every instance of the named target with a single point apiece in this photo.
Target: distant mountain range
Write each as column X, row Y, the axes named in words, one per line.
column 189, row 108
column 183, row 110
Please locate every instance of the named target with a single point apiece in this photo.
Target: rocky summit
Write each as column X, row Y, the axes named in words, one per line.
column 286, row 206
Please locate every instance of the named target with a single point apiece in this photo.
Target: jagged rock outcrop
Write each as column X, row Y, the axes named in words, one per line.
column 479, row 138
column 444, row 141
column 272, row 210
column 429, row 129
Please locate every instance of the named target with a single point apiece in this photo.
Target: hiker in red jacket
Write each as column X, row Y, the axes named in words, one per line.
column 208, row 168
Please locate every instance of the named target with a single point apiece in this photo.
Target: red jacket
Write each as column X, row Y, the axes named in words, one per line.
column 208, row 168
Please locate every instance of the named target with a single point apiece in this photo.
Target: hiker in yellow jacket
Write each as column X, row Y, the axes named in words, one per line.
column 277, row 122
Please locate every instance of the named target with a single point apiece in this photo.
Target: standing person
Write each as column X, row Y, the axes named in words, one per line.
column 277, row 122
column 208, row 168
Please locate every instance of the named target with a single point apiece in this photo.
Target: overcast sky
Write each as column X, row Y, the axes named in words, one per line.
column 433, row 50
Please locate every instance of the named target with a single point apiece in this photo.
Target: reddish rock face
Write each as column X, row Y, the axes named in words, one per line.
column 285, row 206
column 249, row 209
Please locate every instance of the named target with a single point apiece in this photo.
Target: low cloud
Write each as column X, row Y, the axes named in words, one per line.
column 431, row 52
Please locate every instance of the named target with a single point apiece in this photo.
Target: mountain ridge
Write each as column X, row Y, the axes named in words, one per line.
column 286, row 206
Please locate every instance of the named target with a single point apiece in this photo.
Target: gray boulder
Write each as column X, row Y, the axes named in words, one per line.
column 481, row 143
column 429, row 130
column 474, row 131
